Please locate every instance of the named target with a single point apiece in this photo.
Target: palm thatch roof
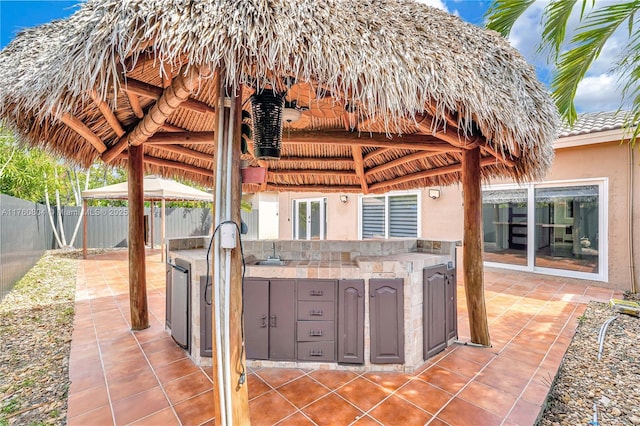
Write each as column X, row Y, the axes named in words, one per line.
column 390, row 92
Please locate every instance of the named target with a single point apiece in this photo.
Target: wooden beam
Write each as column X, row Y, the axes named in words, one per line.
column 359, row 166
column 170, row 100
column 500, row 157
column 312, row 188
column 402, row 160
column 187, row 152
column 333, row 160
column 154, row 92
column 472, row 248
column 416, row 142
column 135, row 104
column 137, row 268
column 108, row 114
column 426, row 174
column 329, row 173
column 177, row 165
column 80, row 128
column 171, row 128
column 376, row 153
column 170, row 138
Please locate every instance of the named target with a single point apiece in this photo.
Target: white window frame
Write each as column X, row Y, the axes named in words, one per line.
column 323, row 219
column 386, row 196
column 603, row 229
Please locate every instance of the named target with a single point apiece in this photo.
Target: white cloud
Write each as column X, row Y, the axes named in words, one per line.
column 435, row 3
column 599, row 91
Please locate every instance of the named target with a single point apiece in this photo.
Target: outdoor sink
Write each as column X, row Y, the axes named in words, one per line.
column 272, row 262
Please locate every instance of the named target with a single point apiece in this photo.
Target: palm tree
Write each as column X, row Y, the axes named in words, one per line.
column 596, row 26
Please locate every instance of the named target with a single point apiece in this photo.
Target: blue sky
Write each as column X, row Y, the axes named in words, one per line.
column 599, row 91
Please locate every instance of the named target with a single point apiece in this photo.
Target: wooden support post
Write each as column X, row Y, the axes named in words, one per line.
column 151, row 224
column 472, row 247
column 84, row 229
column 137, row 268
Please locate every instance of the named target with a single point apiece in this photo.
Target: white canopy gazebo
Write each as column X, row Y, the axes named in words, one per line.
column 155, row 189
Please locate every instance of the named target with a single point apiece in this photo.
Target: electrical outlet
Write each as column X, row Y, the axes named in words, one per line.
column 228, row 235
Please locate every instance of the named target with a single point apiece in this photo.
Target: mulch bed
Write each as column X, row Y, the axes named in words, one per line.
column 36, row 323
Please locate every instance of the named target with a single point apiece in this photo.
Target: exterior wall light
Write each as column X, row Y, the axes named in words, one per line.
column 434, row 193
column 344, row 198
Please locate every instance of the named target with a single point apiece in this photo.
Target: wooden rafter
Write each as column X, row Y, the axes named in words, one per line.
column 161, row 162
column 172, row 138
column 80, row 128
column 150, row 91
column 333, row 160
column 426, row 174
column 399, row 161
column 359, row 167
column 172, row 98
column 108, row 114
column 312, row 188
column 171, row 128
column 181, row 150
column 417, row 142
column 374, row 154
column 329, row 173
column 135, row 104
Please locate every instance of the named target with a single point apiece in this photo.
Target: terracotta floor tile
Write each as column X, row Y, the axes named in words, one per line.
column 296, row 419
column 458, row 364
column 535, row 393
column 332, row 410
column 388, row 380
column 269, row 408
column 366, row 421
column 130, row 385
column 279, row 376
column 197, row 410
column 524, row 413
column 506, row 375
column 165, row 356
column 479, row 355
column 99, row 417
column 459, row 412
column 302, row 391
column 140, row 405
column 187, row 387
column 424, row 395
column 489, row 398
column 397, row 411
column 256, row 386
column 87, row 400
column 122, row 370
column 87, row 378
column 158, row 345
column 444, row 379
column 164, row 417
column 333, row 379
column 175, row 370
column 363, row 393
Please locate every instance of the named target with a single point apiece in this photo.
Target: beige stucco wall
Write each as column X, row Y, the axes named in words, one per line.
column 442, row 218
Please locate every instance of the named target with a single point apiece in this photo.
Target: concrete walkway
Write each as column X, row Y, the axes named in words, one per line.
column 124, row 377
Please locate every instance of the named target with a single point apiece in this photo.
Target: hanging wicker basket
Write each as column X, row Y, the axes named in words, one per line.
column 266, row 115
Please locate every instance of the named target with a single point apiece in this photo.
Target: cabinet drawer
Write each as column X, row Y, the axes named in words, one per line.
column 316, row 351
column 317, row 290
column 315, row 331
column 316, row 311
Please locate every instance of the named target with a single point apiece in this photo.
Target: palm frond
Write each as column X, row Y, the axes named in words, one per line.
column 502, row 14
column 555, row 18
column 591, row 37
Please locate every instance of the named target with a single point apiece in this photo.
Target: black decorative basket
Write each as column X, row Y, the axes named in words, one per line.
column 266, row 115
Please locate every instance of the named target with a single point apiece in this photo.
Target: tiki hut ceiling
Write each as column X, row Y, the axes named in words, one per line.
column 389, row 92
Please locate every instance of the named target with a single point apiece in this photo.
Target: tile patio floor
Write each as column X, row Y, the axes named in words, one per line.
column 123, row 377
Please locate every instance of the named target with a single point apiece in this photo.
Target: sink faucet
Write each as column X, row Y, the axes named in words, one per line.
column 273, row 247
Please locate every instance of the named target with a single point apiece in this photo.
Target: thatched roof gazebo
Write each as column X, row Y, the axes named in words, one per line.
column 376, row 95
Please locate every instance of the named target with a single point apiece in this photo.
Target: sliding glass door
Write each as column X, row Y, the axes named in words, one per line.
column 557, row 228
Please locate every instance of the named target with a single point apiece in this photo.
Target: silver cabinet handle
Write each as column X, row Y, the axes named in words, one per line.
column 264, row 321
column 273, row 319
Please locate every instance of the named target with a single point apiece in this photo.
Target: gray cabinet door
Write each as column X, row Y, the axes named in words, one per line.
column 387, row 320
column 256, row 318
column 282, row 319
column 206, row 300
column 351, row 321
column 434, row 310
column 452, row 305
